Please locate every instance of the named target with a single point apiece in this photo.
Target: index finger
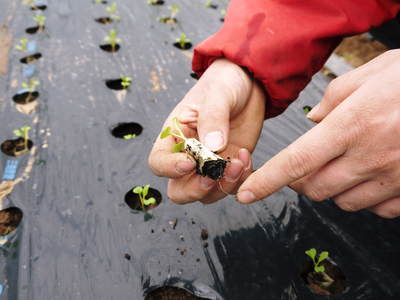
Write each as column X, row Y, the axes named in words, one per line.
column 311, row 151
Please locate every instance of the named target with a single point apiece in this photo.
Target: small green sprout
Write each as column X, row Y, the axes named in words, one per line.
column 23, row 132
column 22, row 45
column 182, row 40
column 312, row 253
column 112, row 10
column 307, row 109
column 223, row 12
column 174, row 9
column 125, row 81
column 154, row 2
column 30, row 3
column 129, row 136
column 30, row 85
column 142, row 192
column 175, row 131
column 208, row 3
column 40, row 20
column 112, row 39
column 100, row 1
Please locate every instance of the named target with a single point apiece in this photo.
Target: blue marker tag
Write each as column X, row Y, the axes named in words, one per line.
column 10, row 170
column 31, row 47
column 28, row 70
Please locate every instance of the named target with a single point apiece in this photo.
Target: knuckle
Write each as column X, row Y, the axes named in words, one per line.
column 297, row 163
column 348, row 206
column 315, row 194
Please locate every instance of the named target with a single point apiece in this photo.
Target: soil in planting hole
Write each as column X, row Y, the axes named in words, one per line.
column 123, row 129
column 186, row 47
column 194, row 75
column 158, row 2
column 213, row 6
column 16, row 147
column 25, row 97
column 109, row 48
column 39, row 7
column 104, row 20
column 10, row 218
column 35, row 29
column 168, row 20
column 171, row 293
column 133, row 199
column 115, row 84
column 327, row 283
column 31, row 58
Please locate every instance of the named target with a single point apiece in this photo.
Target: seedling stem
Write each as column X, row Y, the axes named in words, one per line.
column 23, row 132
column 142, row 193
column 182, row 40
column 40, row 20
column 112, row 39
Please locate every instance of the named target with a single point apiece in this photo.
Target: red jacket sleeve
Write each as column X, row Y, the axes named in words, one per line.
column 284, row 42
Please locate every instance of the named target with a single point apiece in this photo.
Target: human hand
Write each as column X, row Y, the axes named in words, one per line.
column 225, row 111
column 353, row 154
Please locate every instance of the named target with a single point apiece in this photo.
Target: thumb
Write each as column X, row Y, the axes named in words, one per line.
column 213, row 123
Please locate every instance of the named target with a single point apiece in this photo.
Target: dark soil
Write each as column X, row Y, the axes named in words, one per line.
column 104, row 20
column 115, row 84
column 204, row 234
column 171, row 293
column 122, row 129
column 222, row 20
column 194, row 75
column 31, row 58
column 10, row 218
column 109, row 48
column 15, row 147
column 158, row 2
column 25, row 97
column 213, row 169
column 318, row 282
column 35, row 29
column 133, row 200
column 39, row 7
column 168, row 20
column 186, row 47
column 213, row 6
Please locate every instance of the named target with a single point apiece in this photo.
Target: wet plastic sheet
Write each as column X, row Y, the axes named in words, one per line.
column 77, row 230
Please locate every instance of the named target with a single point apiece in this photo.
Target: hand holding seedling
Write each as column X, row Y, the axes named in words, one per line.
column 224, row 111
column 353, row 154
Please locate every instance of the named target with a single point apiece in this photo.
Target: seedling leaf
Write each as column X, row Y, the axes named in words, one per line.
column 319, row 269
column 129, row 136
column 138, row 190
column 165, row 133
column 149, row 201
column 17, row 132
column 145, row 190
column 324, row 255
column 312, row 253
column 178, row 147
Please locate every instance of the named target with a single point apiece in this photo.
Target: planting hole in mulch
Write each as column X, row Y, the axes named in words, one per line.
column 156, row 2
column 33, row 30
column 25, row 97
column 10, row 218
column 168, row 20
column 31, row 58
column 109, row 48
column 39, row 7
column 115, row 84
column 104, row 20
column 330, row 282
column 16, row 147
column 194, row 75
column 121, row 130
column 171, row 293
column 186, row 47
column 133, row 200
column 213, row 6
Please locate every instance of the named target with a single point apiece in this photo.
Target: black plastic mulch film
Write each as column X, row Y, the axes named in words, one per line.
column 78, row 239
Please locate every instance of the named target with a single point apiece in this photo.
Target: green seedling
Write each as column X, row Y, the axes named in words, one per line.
column 112, row 10
column 182, row 40
column 307, row 109
column 100, row 1
column 129, row 136
column 175, row 131
column 30, row 85
column 174, row 10
column 112, row 39
column 153, row 2
column 208, row 3
column 30, row 3
column 40, row 20
column 142, row 193
column 312, row 253
column 22, row 45
column 125, row 81
column 24, row 133
column 223, row 12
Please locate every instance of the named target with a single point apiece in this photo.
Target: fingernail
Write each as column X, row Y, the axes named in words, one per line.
column 206, row 183
column 185, row 167
column 214, row 140
column 234, row 170
column 244, row 156
column 311, row 115
column 246, row 197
